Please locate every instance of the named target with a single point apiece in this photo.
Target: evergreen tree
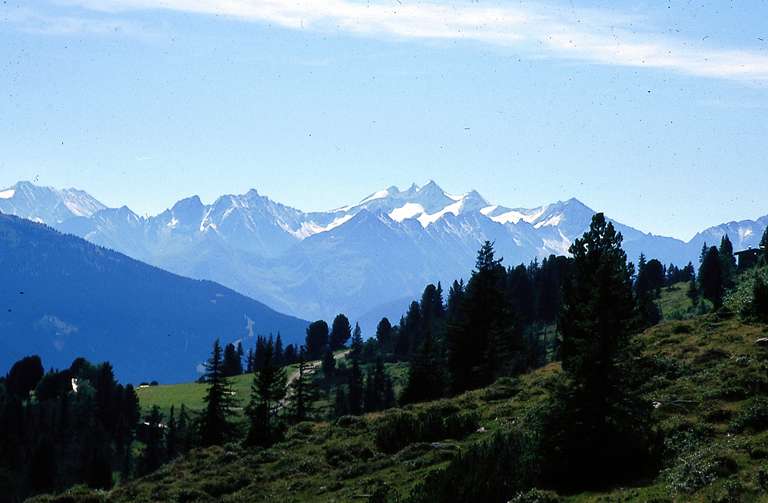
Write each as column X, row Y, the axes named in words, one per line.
column 425, row 376
column 711, row 280
column 328, row 365
column 481, row 339
column 316, row 341
column 647, row 285
column 279, row 351
column 728, row 261
column 603, row 428
column 289, row 355
column 172, row 436
column 355, row 385
column 183, row 429
column 303, row 391
column 341, row 331
column 267, row 390
column 249, row 361
column 232, row 365
column 384, row 335
column 154, row 451
column 370, row 398
column 41, row 475
column 258, row 354
column 215, row 422
column 760, row 298
column 340, row 403
column 764, row 240
column 693, row 291
column 356, row 348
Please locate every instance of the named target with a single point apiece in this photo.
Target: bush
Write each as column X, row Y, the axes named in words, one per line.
column 753, row 417
column 698, row 469
column 398, row 429
column 536, row 496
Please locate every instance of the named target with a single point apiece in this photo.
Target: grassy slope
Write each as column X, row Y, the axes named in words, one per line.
column 716, row 368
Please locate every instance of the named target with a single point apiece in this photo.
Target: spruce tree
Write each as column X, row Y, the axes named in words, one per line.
column 316, row 341
column 279, row 351
column 356, row 348
column 341, row 331
column 384, row 335
column 604, row 429
column 303, row 392
column 425, row 377
column 215, row 421
column 340, row 403
column 728, row 261
column 711, row 279
column 154, row 451
column 328, row 365
column 760, row 298
column 355, row 385
column 172, row 436
column 232, row 365
column 267, row 391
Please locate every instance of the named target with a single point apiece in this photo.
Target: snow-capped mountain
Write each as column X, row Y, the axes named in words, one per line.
column 353, row 259
column 46, row 204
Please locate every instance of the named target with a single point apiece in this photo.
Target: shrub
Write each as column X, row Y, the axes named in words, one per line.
column 753, row 417
column 437, row 422
column 698, row 469
column 536, row 496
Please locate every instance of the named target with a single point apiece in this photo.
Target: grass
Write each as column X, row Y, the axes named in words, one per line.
column 707, row 371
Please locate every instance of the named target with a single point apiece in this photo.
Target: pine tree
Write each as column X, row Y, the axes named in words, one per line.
column 232, row 365
column 328, row 365
column 303, row 391
column 728, row 261
column 760, row 298
column 425, row 375
column 172, row 436
column 604, row 428
column 341, row 331
column 215, row 422
column 384, row 335
column 340, row 403
column 711, row 279
column 355, row 385
column 279, row 351
column 249, row 361
column 153, row 454
column 370, row 395
column 356, row 348
column 316, row 341
column 267, row 390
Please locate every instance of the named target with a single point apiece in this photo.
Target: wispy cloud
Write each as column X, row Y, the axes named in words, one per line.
column 31, row 21
column 592, row 36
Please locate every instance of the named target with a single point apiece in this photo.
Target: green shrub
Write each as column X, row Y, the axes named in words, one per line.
column 536, row 496
column 398, row 429
column 753, row 417
column 698, row 469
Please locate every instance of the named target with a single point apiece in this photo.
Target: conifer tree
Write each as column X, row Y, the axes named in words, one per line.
column 340, row 403
column 711, row 279
column 356, row 348
column 425, row 376
column 605, row 430
column 760, row 298
column 328, row 365
column 267, row 390
column 153, row 454
column 371, row 400
column 764, row 240
column 728, row 261
column 289, row 355
column 215, row 422
column 341, row 331
column 183, row 429
column 384, row 335
column 232, row 365
column 316, row 341
column 355, row 385
column 303, row 391
column 279, row 351
column 172, row 436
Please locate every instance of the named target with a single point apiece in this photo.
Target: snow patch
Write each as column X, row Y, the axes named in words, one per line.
column 173, row 223
column 7, row 194
column 408, row 210
column 489, row 209
column 376, row 195
column 454, row 208
column 550, row 222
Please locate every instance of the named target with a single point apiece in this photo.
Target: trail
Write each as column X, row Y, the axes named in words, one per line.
column 310, row 369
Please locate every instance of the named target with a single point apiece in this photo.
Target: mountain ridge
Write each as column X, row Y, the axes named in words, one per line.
column 281, row 255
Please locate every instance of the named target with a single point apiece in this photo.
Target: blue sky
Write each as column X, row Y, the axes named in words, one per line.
column 652, row 111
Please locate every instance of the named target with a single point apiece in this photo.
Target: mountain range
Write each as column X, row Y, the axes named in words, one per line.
column 366, row 260
column 62, row 297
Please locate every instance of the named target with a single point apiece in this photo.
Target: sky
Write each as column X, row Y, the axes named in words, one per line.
column 652, row 111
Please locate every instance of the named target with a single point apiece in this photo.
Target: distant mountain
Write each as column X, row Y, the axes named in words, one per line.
column 357, row 259
column 63, row 297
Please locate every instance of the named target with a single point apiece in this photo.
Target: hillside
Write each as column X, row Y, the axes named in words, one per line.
column 703, row 375
column 63, row 297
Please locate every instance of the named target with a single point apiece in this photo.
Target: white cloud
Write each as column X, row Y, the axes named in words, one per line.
column 588, row 35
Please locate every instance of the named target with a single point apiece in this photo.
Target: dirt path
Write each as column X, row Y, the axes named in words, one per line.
column 311, row 369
